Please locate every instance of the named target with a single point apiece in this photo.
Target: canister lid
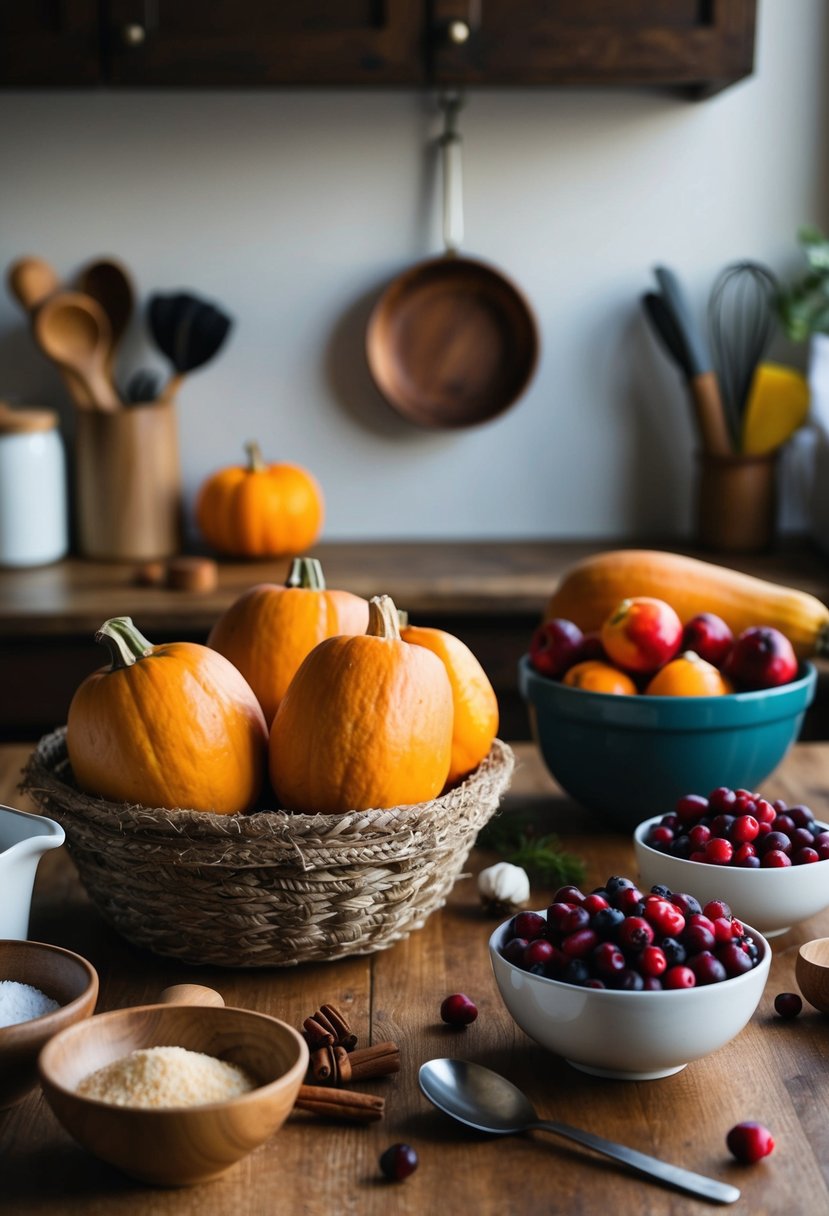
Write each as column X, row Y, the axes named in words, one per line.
column 18, row 422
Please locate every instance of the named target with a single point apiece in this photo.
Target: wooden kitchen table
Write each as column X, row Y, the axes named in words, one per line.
column 774, row 1071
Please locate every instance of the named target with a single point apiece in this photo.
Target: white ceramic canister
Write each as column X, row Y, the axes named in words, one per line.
column 33, row 505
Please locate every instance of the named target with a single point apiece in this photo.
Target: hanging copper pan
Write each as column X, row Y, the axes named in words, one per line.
column 452, row 342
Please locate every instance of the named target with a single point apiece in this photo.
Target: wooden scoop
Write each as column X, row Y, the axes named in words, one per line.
column 108, row 282
column 32, row 281
column 73, row 331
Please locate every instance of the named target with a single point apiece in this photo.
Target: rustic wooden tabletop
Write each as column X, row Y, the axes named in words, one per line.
column 774, row 1071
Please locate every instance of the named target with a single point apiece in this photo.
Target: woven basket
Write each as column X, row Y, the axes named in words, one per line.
column 269, row 889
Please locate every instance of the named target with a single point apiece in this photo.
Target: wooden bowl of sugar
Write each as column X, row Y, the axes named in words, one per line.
column 43, row 989
column 812, row 972
column 135, row 1056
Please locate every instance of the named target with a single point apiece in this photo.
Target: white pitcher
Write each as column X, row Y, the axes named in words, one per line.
column 24, row 838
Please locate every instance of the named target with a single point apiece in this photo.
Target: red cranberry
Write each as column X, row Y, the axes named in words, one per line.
column 776, row 840
column 718, row 851
column 784, row 824
column 724, row 929
column 537, row 954
column 764, row 812
column 823, row 850
column 660, row 837
column 735, row 959
column 594, row 984
column 688, row 905
column 558, row 917
column 800, row 815
column 775, row 859
column 608, row 959
column 652, row 983
column 722, row 798
column 652, row 962
column 576, row 945
column 635, row 933
column 699, row 835
column 628, row 901
column 749, row 1142
column 743, row 852
column 679, row 977
column 513, row 951
column 595, row 903
column 666, row 919
column 787, row 1004
column 805, row 857
column 398, row 1162
column 715, row 909
column 569, row 895
column 745, row 828
column 707, row 968
column 697, row 938
column 528, row 924
column 691, row 807
column 458, row 1010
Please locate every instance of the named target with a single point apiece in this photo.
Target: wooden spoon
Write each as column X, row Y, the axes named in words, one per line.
column 32, row 281
column 109, row 282
column 73, row 331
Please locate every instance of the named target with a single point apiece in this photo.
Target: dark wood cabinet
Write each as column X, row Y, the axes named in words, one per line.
column 698, row 46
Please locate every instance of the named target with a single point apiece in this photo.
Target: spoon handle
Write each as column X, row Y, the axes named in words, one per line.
column 672, row 1175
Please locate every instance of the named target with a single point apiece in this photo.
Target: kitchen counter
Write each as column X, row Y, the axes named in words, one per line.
column 491, row 594
column 774, row 1071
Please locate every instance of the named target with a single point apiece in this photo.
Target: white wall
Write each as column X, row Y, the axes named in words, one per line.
column 292, row 209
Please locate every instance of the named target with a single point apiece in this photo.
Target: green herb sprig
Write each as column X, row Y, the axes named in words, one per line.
column 542, row 856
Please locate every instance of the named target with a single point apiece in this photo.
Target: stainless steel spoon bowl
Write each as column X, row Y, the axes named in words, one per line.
column 485, row 1100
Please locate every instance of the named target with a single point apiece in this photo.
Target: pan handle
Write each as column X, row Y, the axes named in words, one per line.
column 451, row 157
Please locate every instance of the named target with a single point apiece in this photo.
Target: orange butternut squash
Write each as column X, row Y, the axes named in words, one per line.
column 366, row 722
column 173, row 726
column 269, row 630
column 592, row 588
column 475, row 704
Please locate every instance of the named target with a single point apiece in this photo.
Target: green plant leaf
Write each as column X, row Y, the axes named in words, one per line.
column 542, row 856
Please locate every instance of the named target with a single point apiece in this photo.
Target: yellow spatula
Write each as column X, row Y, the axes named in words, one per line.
column 777, row 404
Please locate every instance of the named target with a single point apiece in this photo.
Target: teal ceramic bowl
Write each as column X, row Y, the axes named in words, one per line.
column 631, row 757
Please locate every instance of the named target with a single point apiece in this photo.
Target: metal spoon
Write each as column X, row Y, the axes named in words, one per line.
column 483, row 1099
column 73, row 330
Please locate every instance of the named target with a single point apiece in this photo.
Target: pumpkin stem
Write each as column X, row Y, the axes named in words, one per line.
column 256, row 464
column 306, row 572
column 402, row 618
column 123, row 641
column 382, row 618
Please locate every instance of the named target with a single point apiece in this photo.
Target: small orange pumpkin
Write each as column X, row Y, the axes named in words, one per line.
column 269, row 630
column 173, row 726
column 366, row 722
column 475, row 703
column 260, row 510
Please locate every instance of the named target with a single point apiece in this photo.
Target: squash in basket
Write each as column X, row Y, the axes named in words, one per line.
column 269, row 630
column 174, row 725
column 474, row 700
column 366, row 722
column 260, row 510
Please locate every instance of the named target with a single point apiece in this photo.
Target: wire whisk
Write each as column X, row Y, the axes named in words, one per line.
column 742, row 314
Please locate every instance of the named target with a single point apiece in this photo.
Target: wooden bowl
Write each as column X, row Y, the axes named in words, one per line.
column 66, row 978
column 812, row 972
column 183, row 1145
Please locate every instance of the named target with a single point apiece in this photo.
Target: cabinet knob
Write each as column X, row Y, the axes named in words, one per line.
column 133, row 34
column 458, row 32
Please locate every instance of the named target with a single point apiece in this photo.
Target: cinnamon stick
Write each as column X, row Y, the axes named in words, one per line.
column 340, row 1103
column 377, row 1061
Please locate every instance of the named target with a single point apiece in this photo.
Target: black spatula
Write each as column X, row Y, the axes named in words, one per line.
column 188, row 330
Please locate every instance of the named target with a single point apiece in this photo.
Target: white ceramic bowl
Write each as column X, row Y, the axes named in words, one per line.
column 771, row 900
column 630, row 1036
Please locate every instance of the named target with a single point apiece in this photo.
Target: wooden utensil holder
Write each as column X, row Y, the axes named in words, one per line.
column 128, row 483
column 736, row 507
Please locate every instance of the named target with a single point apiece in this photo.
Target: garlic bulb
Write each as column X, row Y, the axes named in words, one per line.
column 503, row 887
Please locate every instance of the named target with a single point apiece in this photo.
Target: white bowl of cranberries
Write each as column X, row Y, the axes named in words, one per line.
column 770, row 861
column 627, row 982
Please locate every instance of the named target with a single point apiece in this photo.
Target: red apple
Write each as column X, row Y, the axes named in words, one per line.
column 554, row 647
column 642, row 634
column 708, row 636
column 761, row 657
column 591, row 648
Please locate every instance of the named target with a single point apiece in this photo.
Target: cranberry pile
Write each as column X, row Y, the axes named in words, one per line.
column 618, row 937
column 739, row 828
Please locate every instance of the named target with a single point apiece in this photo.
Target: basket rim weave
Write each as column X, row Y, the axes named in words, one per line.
column 270, row 887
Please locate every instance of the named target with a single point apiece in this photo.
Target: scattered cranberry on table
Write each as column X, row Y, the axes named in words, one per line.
column 749, row 1142
column 787, row 1005
column 740, row 828
column 398, row 1162
column 620, row 937
column 458, row 1010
